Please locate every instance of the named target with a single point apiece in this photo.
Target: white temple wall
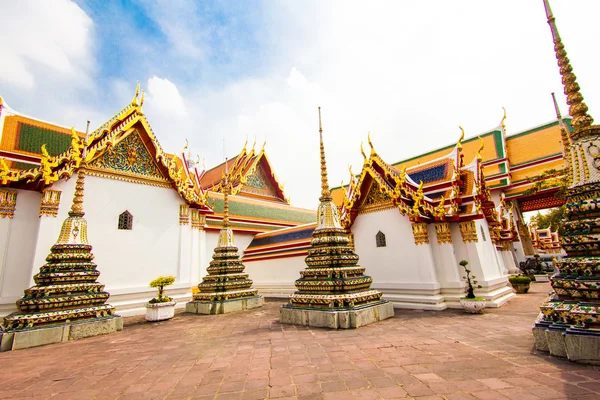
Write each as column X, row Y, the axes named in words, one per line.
column 18, row 238
column 447, row 269
column 275, row 277
column 129, row 259
column 403, row 271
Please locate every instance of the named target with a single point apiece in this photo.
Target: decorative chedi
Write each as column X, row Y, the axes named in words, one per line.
column 226, row 288
column 67, row 302
column 569, row 322
column 333, row 291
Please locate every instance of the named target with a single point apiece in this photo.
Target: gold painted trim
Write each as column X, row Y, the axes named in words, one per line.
column 8, row 202
column 50, row 203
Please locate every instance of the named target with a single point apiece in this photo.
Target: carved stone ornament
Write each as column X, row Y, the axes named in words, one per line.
column 184, row 214
column 468, row 231
column 442, row 230
column 50, row 202
column 420, row 233
column 8, row 201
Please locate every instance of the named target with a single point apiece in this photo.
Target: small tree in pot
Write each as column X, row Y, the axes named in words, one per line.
column 161, row 307
column 520, row 283
column 470, row 302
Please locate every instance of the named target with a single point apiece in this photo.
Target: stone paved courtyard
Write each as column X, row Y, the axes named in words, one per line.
column 418, row 354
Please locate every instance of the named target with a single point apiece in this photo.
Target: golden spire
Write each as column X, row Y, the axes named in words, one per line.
column 325, row 193
column 225, row 198
column 142, row 99
column 577, row 108
column 564, row 130
column 503, row 122
column 77, row 206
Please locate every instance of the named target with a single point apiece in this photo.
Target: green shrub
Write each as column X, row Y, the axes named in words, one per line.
column 160, row 283
column 519, row 279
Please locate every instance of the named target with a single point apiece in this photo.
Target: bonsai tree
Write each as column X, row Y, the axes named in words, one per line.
column 519, row 279
column 160, row 283
column 471, row 282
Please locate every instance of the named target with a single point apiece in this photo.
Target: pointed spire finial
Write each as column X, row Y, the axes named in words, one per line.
column 577, row 108
column 142, row 99
column 137, row 93
column 370, row 143
column 77, row 206
column 462, row 136
column 479, row 156
column 503, row 122
column 325, row 194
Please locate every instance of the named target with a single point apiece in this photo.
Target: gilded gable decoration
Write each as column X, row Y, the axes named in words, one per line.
column 184, row 214
column 442, row 231
column 377, row 199
column 130, row 157
column 468, row 231
column 8, row 202
column 420, row 233
column 50, row 202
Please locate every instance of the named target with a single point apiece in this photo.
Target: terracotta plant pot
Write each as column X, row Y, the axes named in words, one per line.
column 521, row 287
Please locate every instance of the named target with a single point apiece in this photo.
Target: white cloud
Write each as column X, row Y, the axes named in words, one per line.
column 43, row 39
column 164, row 98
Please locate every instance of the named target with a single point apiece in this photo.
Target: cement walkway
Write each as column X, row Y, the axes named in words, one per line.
column 422, row 355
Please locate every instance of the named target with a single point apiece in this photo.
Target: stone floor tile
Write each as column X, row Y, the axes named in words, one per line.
column 395, row 392
column 495, row 383
column 418, row 389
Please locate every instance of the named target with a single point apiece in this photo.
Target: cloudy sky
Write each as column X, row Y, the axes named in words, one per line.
column 410, row 72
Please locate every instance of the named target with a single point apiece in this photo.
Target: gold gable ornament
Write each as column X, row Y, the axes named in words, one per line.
column 50, row 202
column 420, row 233
column 8, row 202
column 442, row 230
column 184, row 214
column 468, row 231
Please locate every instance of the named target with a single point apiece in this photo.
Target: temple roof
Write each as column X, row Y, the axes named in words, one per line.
column 250, row 173
column 61, row 152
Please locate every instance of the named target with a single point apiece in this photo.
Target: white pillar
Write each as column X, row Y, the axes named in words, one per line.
column 446, row 266
column 8, row 201
column 183, row 269
column 48, row 231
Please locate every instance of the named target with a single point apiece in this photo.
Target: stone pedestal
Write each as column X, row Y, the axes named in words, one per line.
column 556, row 340
column 583, row 345
column 343, row 319
column 225, row 306
column 539, row 334
column 23, row 339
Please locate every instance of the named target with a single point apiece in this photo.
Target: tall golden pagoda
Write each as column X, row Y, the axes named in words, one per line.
column 67, row 302
column 226, row 288
column 333, row 291
column 569, row 322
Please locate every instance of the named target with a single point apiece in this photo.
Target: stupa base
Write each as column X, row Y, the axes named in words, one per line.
column 574, row 343
column 336, row 319
column 33, row 337
column 224, row 306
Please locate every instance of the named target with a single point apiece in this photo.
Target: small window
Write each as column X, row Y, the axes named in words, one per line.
column 380, row 239
column 125, row 220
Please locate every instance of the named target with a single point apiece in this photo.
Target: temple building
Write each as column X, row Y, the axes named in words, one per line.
column 150, row 213
column 545, row 242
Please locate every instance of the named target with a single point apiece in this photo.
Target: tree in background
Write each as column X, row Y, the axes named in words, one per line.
column 553, row 219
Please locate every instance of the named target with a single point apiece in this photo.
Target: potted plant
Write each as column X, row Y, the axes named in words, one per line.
column 470, row 302
column 161, row 307
column 520, row 283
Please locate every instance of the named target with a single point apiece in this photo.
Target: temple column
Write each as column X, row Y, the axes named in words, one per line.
column 484, row 262
column 185, row 243
column 48, row 229
column 195, row 247
column 523, row 247
column 8, row 202
column 203, row 253
column 447, row 268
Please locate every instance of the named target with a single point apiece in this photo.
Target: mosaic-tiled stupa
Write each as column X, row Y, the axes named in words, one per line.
column 67, row 301
column 569, row 322
column 333, row 290
column 226, row 288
